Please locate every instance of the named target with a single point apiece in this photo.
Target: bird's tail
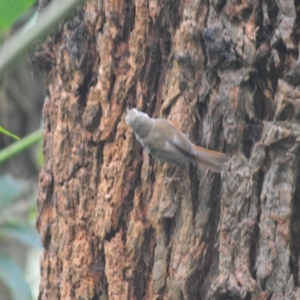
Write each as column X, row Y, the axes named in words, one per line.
column 211, row 159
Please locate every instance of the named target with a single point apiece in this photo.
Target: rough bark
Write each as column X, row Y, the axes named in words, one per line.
column 224, row 72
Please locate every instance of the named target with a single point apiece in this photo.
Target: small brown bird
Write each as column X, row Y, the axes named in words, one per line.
column 166, row 143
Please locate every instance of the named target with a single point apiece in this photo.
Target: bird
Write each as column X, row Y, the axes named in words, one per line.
column 168, row 144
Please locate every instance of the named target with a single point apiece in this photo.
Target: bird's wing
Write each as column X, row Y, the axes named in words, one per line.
column 182, row 143
column 169, row 153
column 180, row 156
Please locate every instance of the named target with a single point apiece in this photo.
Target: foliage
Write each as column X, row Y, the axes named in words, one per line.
column 10, row 188
column 10, row 11
column 10, row 273
column 20, row 145
column 6, row 132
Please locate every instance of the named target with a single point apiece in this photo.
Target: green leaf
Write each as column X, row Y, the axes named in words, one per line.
column 25, row 233
column 18, row 44
column 20, row 145
column 32, row 213
column 11, row 10
column 40, row 154
column 6, row 132
column 10, row 189
column 12, row 276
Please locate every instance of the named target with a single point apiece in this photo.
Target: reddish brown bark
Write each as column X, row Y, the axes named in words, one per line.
column 225, row 73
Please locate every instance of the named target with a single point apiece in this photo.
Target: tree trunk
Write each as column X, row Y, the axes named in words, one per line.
column 224, row 72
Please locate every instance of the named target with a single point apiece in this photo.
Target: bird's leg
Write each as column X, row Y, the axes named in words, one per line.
column 169, row 180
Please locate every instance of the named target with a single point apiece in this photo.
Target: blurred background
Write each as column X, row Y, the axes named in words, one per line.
column 22, row 92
